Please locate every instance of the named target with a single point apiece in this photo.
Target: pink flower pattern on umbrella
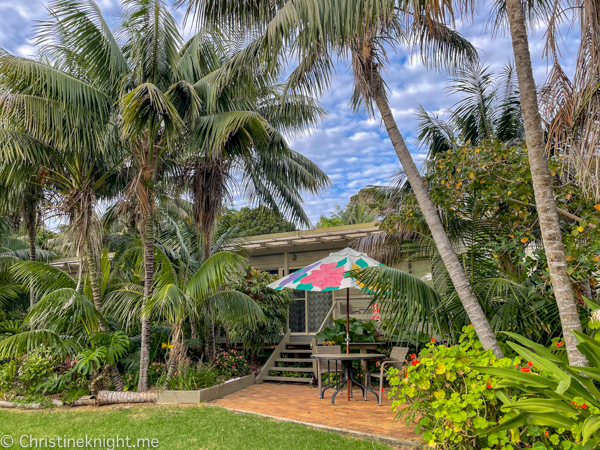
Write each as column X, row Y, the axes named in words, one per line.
column 326, row 276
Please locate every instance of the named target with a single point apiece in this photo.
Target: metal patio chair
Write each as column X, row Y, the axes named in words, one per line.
column 334, row 366
column 396, row 360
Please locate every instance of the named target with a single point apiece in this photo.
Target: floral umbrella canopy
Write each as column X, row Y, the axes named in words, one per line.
column 329, row 274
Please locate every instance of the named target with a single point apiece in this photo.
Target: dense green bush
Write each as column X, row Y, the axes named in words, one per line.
column 359, row 331
column 274, row 305
column 191, row 378
column 8, row 372
column 231, row 364
column 449, row 403
column 561, row 400
column 35, row 368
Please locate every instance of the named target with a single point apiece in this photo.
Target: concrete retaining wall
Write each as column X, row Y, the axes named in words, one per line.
column 208, row 394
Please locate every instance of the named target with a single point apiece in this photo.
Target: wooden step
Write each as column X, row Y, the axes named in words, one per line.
column 294, row 360
column 297, row 350
column 291, row 369
column 287, row 379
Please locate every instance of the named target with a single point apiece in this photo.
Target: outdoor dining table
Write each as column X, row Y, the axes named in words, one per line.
column 348, row 377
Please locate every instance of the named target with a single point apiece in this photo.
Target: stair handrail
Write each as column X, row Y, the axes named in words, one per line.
column 327, row 317
column 271, row 361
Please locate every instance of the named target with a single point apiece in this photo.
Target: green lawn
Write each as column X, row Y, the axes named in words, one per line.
column 174, row 427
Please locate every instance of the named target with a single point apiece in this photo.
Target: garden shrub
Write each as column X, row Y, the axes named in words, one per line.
column 359, row 331
column 8, row 372
column 274, row 305
column 156, row 372
column 191, row 378
column 36, row 367
column 450, row 403
column 231, row 364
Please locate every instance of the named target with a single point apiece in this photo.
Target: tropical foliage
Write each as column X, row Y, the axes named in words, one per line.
column 274, row 305
column 136, row 118
column 257, row 221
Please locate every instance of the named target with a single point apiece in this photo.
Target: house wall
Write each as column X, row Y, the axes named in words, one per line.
column 280, row 260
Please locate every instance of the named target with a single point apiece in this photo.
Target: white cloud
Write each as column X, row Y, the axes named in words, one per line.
column 353, row 149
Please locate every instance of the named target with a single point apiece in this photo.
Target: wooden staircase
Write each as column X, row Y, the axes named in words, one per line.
column 289, row 358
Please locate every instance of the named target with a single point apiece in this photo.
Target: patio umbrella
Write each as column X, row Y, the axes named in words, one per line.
column 329, row 274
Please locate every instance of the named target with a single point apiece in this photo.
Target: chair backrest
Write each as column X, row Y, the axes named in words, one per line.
column 332, row 364
column 398, row 353
column 327, row 349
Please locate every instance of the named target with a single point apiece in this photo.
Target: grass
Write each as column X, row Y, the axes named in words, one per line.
column 175, row 427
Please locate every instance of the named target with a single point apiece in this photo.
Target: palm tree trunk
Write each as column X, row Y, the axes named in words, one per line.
column 32, row 229
column 147, row 229
column 542, row 184
column 115, row 376
column 453, row 266
column 210, row 343
column 94, row 284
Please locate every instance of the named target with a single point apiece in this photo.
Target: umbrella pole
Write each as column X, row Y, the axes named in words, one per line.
column 348, row 334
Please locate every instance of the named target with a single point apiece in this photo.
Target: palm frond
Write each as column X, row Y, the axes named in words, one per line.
column 26, row 341
column 42, row 277
column 234, row 308
column 403, row 299
column 220, row 269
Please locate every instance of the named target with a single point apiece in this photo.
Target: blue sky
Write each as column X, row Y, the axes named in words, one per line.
column 352, row 149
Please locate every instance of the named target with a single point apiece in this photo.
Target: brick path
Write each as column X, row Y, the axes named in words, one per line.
column 301, row 403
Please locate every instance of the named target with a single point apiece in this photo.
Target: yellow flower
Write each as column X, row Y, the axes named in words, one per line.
column 471, row 175
column 524, row 240
column 167, row 346
column 597, row 258
column 580, row 229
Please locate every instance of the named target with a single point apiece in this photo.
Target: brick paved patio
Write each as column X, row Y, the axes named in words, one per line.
column 302, row 404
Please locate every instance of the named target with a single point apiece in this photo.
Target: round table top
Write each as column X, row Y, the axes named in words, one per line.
column 350, row 357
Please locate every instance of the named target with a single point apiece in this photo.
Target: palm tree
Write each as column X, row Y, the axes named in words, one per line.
column 23, row 195
column 489, row 108
column 542, row 183
column 128, row 92
column 252, row 158
column 187, row 291
column 316, row 33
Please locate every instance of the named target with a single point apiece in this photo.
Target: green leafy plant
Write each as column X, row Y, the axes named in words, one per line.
column 36, row 367
column 359, row 331
column 231, row 364
column 450, row 403
column 552, row 395
column 191, row 378
column 274, row 305
column 7, row 375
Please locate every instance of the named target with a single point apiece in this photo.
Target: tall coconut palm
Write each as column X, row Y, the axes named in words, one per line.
column 542, row 183
column 317, row 33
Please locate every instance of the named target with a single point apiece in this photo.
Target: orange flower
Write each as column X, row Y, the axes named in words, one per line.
column 524, row 240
